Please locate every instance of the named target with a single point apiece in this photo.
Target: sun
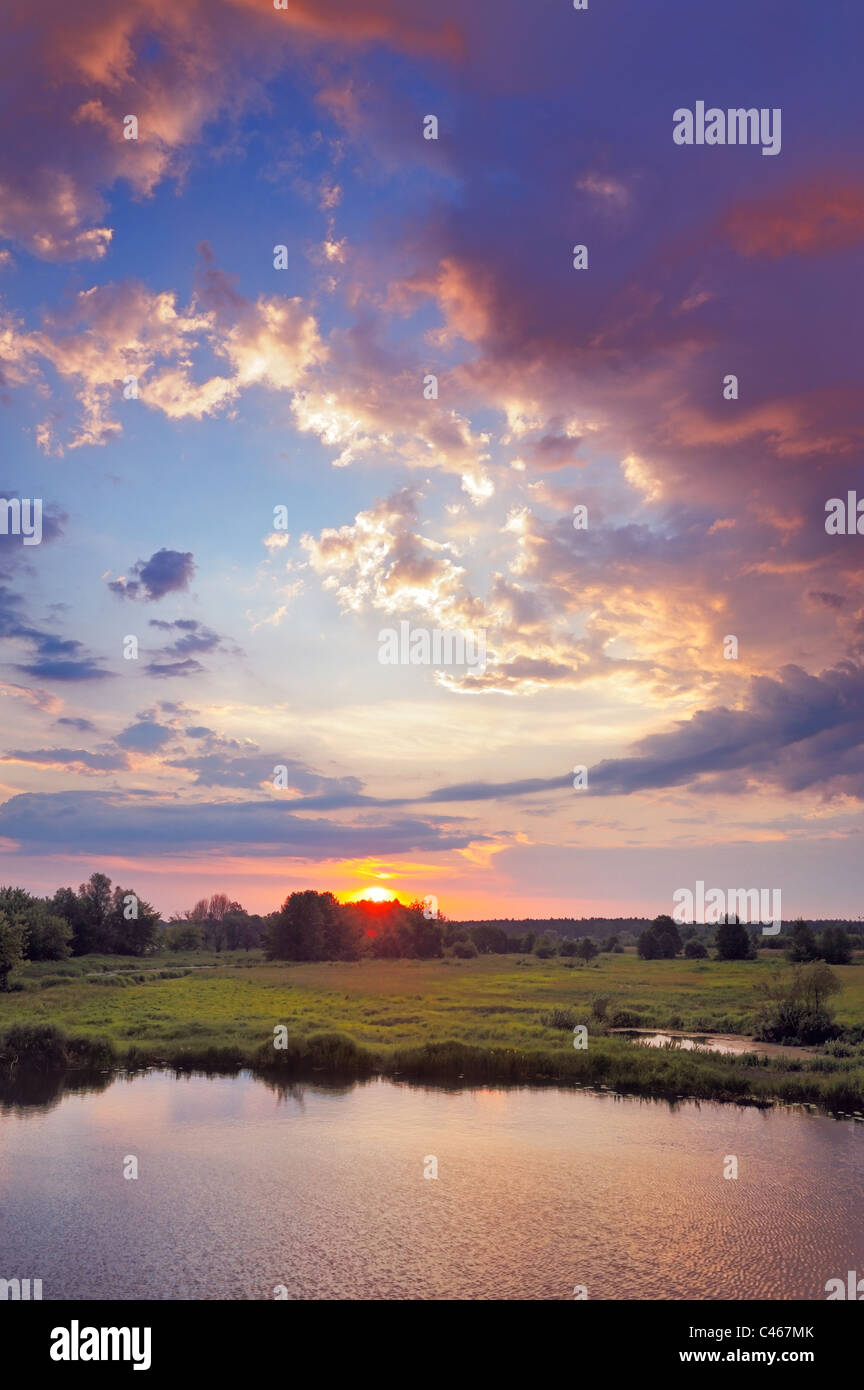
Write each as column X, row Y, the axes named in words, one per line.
column 371, row 895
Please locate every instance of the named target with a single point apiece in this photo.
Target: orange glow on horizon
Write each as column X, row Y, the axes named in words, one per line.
column 372, row 895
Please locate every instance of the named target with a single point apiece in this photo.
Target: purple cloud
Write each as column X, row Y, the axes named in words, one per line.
column 166, row 572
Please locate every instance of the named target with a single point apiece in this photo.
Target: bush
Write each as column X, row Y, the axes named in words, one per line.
column 794, row 1021
column 44, row 1047
column 560, row 1018
column 183, row 936
column 695, row 950
column 333, row 1052
column 733, row 941
column 463, row 950
column 625, row 1018
column 835, row 946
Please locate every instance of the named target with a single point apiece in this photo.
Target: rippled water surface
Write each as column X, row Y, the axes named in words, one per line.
column 241, row 1189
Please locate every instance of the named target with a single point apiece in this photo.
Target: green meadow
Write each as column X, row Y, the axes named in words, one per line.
column 503, row 1018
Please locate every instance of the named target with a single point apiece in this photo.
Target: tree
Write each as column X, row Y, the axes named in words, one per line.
column 796, row 1010
column 647, row 945
column 427, row 933
column 306, row 927
column 66, row 904
column 660, row 940
column 131, row 925
column 695, row 949
column 733, row 940
column 104, row 921
column 183, row 936
column 94, row 899
column 815, row 984
column 835, row 946
column 12, row 938
column 46, row 934
column 668, row 939
column 489, row 939
column 587, row 949
column 803, row 942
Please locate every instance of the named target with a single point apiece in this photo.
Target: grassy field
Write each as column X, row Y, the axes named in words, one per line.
column 491, row 1017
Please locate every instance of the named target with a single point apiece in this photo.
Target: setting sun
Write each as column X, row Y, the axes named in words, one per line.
column 371, row 895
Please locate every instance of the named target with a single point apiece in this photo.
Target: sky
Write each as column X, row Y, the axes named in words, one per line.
column 217, row 349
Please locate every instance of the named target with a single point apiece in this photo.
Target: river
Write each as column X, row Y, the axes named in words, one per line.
column 318, row 1191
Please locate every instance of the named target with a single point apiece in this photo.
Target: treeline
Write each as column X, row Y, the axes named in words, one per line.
column 601, row 927
column 216, row 923
column 313, row 925
column 96, row 918
column 628, row 929
column 734, row 940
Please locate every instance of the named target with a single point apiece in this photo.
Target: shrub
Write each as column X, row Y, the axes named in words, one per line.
column 794, row 1021
column 463, row 950
column 44, row 1047
column 332, row 1052
column 560, row 1018
column 625, row 1018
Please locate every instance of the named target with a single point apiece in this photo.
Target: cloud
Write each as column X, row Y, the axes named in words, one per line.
column 164, row 670
column 72, row 77
column 55, row 658
column 72, row 759
column 38, row 699
column 106, row 335
column 380, row 561
column 195, row 637
column 83, row 726
column 166, row 572
column 146, row 736
column 93, row 823
column 83, row 669
column 795, row 732
column 254, row 770
column 492, row 791
column 816, row 217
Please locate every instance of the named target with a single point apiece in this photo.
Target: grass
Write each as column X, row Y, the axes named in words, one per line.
column 491, row 1018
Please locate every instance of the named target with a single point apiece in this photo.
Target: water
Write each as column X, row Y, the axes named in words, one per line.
column 731, row 1044
column 320, row 1188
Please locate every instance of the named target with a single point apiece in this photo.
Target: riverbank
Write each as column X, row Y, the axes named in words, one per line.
column 493, row 1019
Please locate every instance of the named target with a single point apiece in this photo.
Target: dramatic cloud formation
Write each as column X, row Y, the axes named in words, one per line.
column 281, row 311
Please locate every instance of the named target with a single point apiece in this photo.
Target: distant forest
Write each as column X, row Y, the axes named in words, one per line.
column 101, row 918
column 602, row 927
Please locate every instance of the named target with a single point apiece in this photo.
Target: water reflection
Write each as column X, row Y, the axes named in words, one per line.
column 245, row 1184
